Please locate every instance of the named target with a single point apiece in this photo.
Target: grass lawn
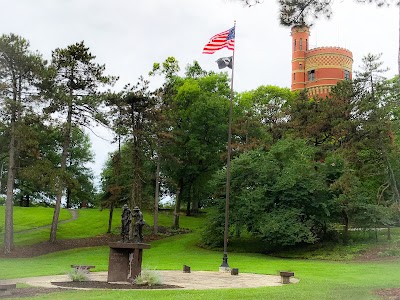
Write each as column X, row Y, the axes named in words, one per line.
column 91, row 222
column 318, row 279
column 26, row 218
column 31, row 217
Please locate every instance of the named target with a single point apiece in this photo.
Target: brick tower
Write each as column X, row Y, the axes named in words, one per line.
column 318, row 69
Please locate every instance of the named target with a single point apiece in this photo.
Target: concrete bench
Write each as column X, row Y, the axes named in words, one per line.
column 285, row 276
column 6, row 289
column 85, row 269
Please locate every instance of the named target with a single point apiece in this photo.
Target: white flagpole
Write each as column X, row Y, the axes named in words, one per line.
column 225, row 266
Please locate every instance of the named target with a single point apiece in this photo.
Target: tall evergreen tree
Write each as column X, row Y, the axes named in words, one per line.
column 73, row 88
column 20, row 70
column 133, row 114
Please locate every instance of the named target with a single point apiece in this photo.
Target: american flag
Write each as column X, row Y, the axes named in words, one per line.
column 225, row 39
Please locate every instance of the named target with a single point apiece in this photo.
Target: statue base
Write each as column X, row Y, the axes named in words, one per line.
column 125, row 261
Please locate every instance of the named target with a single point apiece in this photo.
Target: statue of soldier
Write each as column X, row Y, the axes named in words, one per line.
column 126, row 223
column 137, row 226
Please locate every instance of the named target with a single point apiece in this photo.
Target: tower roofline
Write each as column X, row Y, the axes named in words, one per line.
column 328, row 48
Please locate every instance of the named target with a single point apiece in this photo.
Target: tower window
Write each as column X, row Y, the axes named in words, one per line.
column 306, row 44
column 346, row 75
column 311, row 75
column 301, row 44
column 294, row 76
column 294, row 45
column 301, row 66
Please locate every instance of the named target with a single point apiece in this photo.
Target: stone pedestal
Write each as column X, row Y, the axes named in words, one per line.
column 285, row 276
column 125, row 261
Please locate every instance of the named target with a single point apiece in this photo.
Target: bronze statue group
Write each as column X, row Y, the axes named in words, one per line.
column 127, row 216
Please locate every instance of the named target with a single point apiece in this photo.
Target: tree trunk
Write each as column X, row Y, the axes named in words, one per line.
column 9, row 229
column 195, row 201
column 392, row 177
column 68, row 204
column 64, row 156
column 346, row 227
column 137, row 167
column 156, row 197
column 389, row 236
column 189, row 200
column 9, row 222
column 188, row 212
column 114, row 201
column 177, row 210
column 1, row 176
column 110, row 217
column 237, row 231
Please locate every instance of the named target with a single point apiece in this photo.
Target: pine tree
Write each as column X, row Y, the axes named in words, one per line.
column 20, row 70
column 73, row 91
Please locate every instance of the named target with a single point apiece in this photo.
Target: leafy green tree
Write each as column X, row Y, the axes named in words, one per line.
column 116, row 179
column 38, row 156
column 73, row 90
column 20, row 71
column 278, row 195
column 80, row 189
column 111, row 185
column 325, row 123
column 198, row 114
column 261, row 116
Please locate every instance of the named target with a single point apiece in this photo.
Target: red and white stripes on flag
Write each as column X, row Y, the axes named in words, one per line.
column 225, row 39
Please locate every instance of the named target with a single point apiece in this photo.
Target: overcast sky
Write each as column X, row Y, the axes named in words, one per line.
column 128, row 36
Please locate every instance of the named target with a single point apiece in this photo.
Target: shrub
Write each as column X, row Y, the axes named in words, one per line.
column 149, row 277
column 78, row 274
column 286, row 227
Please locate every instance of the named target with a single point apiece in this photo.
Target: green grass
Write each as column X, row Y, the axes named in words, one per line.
column 26, row 218
column 318, row 279
column 32, row 217
column 358, row 244
column 91, row 222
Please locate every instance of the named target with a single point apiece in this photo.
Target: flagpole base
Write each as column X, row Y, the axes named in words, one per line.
column 224, row 267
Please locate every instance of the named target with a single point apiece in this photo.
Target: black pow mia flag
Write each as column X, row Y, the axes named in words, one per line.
column 224, row 62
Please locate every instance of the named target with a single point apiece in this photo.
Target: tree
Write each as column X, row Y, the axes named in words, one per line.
column 112, row 185
column 135, row 113
column 20, row 70
column 368, row 185
column 73, row 90
column 38, row 156
column 198, row 114
column 300, row 12
column 260, row 117
column 278, row 195
column 80, row 189
column 116, row 179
